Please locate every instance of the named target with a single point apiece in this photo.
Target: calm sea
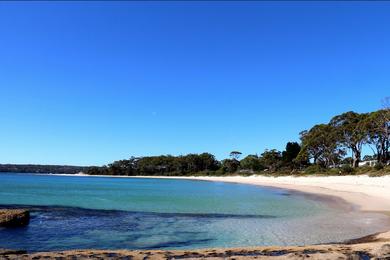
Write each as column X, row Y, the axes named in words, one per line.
column 71, row 212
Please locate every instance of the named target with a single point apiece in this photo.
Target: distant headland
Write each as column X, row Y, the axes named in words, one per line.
column 37, row 168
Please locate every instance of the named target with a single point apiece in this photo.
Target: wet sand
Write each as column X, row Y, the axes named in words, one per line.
column 371, row 247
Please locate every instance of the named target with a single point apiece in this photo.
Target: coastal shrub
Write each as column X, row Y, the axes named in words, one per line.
column 363, row 169
column 379, row 166
column 314, row 169
column 333, row 172
column 299, row 173
column 220, row 172
column 283, row 173
column 347, row 169
column 377, row 174
column 381, row 172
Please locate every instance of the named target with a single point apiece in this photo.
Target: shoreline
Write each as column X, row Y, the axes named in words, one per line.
column 352, row 192
column 355, row 190
column 375, row 246
column 365, row 193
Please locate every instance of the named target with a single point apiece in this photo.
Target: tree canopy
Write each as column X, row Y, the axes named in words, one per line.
column 334, row 144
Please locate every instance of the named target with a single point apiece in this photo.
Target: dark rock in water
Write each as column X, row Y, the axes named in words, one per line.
column 14, row 217
column 12, row 252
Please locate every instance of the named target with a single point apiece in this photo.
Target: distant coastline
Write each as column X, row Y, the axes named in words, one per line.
column 42, row 168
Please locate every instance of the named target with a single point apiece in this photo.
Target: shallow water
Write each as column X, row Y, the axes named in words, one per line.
column 114, row 213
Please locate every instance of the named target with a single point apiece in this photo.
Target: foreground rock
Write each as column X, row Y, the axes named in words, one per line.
column 4, row 252
column 14, row 217
column 371, row 247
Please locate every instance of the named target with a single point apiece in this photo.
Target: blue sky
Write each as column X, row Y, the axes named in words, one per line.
column 86, row 83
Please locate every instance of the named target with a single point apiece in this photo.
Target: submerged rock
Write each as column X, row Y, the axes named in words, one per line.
column 14, row 217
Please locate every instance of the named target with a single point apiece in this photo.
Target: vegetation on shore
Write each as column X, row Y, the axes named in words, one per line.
column 323, row 149
column 37, row 168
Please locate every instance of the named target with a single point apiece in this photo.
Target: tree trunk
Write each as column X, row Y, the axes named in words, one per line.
column 356, row 158
column 381, row 151
column 355, row 163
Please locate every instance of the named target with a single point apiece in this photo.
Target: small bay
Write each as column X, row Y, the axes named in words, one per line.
column 71, row 212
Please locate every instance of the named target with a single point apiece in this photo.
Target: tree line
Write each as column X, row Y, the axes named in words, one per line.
column 36, row 168
column 324, row 145
column 328, row 144
column 204, row 163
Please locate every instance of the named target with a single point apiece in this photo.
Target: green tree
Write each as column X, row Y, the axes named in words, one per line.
column 378, row 126
column 251, row 162
column 271, row 159
column 208, row 162
column 235, row 155
column 320, row 143
column 351, row 133
column 291, row 152
column 230, row 165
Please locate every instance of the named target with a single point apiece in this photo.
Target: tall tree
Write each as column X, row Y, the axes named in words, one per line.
column 208, row 162
column 271, row 159
column 251, row 162
column 320, row 143
column 235, row 155
column 351, row 132
column 291, row 152
column 230, row 165
column 378, row 125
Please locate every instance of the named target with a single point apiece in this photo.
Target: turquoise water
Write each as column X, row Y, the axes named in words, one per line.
column 136, row 213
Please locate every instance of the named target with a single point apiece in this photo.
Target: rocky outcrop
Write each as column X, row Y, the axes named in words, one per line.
column 14, row 217
column 4, row 252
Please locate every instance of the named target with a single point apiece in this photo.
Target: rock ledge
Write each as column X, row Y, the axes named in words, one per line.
column 14, row 217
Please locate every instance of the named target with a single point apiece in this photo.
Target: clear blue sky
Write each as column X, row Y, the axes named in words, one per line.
column 91, row 82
